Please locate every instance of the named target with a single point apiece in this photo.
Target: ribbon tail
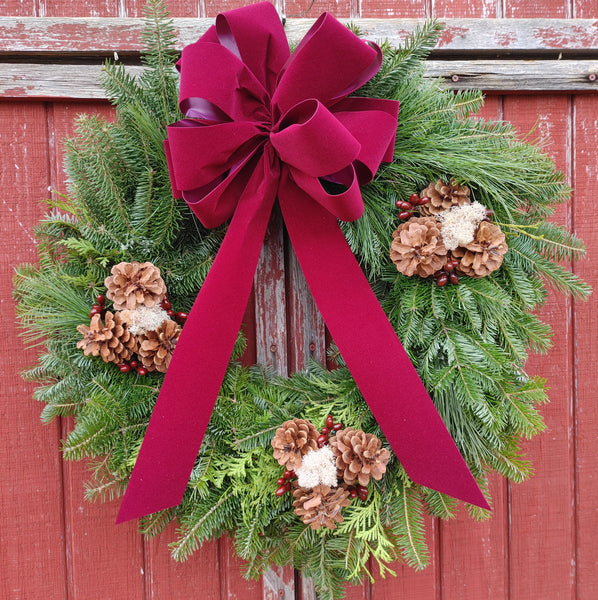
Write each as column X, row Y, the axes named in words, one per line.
column 203, row 351
column 373, row 353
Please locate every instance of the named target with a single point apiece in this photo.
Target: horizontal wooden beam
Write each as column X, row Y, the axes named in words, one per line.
column 81, row 81
column 477, row 37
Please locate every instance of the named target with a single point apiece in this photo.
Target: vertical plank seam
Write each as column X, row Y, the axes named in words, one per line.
column 146, row 588
column 572, row 142
column 201, row 9
column 51, row 162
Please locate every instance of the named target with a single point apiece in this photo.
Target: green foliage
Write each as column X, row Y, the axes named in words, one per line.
column 468, row 342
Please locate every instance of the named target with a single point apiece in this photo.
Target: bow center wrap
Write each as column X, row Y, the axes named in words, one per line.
column 259, row 125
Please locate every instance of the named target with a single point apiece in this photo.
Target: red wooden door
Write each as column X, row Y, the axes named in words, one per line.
column 540, row 544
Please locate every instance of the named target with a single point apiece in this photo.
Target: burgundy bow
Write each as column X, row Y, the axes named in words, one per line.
column 262, row 124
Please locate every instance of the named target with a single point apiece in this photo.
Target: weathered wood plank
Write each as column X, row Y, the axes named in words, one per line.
column 585, row 340
column 84, row 36
column 541, row 524
column 33, row 558
column 81, row 81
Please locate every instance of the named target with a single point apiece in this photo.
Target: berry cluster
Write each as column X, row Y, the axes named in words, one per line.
column 408, row 208
column 447, row 273
column 179, row 317
column 127, row 367
column 285, row 482
column 99, row 308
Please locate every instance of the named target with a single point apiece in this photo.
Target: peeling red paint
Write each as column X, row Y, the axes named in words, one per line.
column 505, row 39
column 572, row 37
column 450, row 34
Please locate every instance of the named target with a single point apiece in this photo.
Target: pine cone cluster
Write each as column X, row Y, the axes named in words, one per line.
column 417, row 247
column 134, row 284
column 140, row 325
column 292, row 441
column 484, row 254
column 452, row 235
column 443, row 196
column 156, row 347
column 321, row 506
column 111, row 339
column 359, row 456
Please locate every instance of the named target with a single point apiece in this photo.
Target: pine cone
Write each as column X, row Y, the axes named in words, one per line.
column 417, row 247
column 485, row 253
column 135, row 284
column 359, row 456
column 156, row 347
column 294, row 439
column 321, row 506
column 443, row 196
column 111, row 340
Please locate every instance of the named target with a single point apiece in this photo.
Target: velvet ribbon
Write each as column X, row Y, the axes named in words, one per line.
column 261, row 124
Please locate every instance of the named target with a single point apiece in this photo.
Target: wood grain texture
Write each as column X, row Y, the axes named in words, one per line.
column 483, row 9
column 32, row 551
column 81, row 8
column 41, row 81
column 541, row 523
column 533, row 8
column 585, row 346
column 93, row 35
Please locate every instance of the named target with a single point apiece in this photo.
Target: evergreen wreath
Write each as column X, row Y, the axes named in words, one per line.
column 469, row 341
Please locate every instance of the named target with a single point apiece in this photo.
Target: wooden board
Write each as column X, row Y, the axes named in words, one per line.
column 490, row 36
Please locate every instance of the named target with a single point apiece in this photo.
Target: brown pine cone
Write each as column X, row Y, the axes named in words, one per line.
column 111, row 340
column 484, row 254
column 156, row 347
column 443, row 196
column 135, row 284
column 359, row 456
column 417, row 247
column 294, row 439
column 321, row 506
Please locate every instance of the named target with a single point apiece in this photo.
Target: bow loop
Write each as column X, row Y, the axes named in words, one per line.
column 330, row 63
column 312, row 140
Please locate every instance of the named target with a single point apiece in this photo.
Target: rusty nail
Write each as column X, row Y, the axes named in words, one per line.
column 592, row 76
column 455, row 78
column 273, row 348
column 281, row 593
column 312, row 347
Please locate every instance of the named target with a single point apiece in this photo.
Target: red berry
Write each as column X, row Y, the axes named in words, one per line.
column 353, row 493
column 414, row 199
column 442, row 280
column 100, row 299
column 363, row 495
column 142, row 371
column 449, row 266
column 288, row 475
column 125, row 368
column 329, row 421
column 454, row 279
column 403, row 205
column 170, row 312
column 424, row 200
column 134, row 364
column 362, row 488
column 281, row 481
column 97, row 307
column 181, row 317
column 405, row 215
column 287, row 486
column 120, row 364
column 281, row 490
column 325, row 431
column 322, row 439
column 337, row 426
column 165, row 304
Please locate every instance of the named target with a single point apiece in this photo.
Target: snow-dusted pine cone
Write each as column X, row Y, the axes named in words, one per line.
column 111, row 339
column 156, row 347
column 321, row 506
column 417, row 247
column 359, row 456
column 135, row 284
column 484, row 254
column 443, row 196
column 292, row 441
